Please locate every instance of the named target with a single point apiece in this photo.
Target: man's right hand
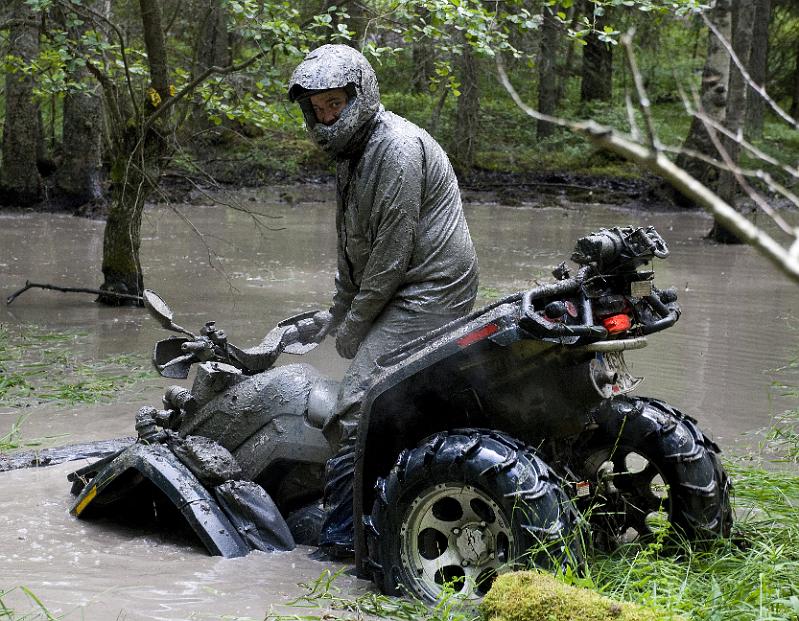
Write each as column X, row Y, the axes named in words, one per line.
column 325, row 324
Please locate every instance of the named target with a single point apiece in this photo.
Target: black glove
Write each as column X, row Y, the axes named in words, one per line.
column 346, row 343
column 325, row 323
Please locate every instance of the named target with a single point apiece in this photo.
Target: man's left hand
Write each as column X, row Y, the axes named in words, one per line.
column 346, row 343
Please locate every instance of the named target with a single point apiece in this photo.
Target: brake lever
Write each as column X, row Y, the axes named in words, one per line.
column 174, row 361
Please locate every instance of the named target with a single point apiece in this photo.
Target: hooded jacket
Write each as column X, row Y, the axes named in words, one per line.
column 402, row 237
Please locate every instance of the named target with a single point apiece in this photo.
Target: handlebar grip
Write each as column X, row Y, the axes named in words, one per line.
column 293, row 334
column 194, row 347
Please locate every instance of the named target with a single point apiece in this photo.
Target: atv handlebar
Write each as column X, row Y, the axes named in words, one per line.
column 174, row 357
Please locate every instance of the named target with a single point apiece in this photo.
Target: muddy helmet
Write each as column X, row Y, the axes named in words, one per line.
column 336, row 66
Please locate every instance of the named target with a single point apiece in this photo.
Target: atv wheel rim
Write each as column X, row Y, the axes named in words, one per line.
column 636, row 499
column 454, row 536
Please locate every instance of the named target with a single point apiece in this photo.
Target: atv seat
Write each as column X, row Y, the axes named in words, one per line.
column 322, row 401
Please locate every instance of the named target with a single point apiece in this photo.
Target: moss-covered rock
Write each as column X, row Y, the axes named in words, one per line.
column 536, row 596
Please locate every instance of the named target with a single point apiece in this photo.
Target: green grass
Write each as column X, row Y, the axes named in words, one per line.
column 323, row 600
column 750, row 576
column 13, row 439
column 38, row 366
column 40, row 612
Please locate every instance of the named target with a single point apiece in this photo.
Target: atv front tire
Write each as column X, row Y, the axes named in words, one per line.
column 649, row 468
column 462, row 507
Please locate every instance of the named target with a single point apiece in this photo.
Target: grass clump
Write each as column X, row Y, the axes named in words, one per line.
column 323, row 601
column 529, row 595
column 40, row 612
column 37, row 366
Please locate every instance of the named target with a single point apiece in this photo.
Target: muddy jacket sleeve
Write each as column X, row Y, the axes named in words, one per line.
column 345, row 288
column 391, row 184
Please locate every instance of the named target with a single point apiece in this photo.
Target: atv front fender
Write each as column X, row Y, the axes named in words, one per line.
column 164, row 470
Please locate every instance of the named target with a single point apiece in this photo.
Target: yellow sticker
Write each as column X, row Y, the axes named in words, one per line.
column 86, row 500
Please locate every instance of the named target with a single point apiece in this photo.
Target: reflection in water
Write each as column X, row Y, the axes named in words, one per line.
column 737, row 324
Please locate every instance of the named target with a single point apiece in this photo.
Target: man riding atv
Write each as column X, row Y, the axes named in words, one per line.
column 406, row 263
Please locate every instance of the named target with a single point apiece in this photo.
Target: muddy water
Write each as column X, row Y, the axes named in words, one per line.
column 247, row 272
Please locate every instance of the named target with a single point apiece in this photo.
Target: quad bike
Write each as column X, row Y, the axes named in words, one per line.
column 486, row 444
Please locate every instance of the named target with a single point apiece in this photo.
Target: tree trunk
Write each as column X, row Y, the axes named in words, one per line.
column 547, row 75
column 155, row 44
column 122, row 237
column 715, row 83
column 79, row 176
column 568, row 70
column 758, row 64
column 141, row 153
column 358, row 22
column 597, row 73
column 738, row 94
column 423, row 61
column 20, row 181
column 213, row 38
column 467, row 111
column 423, row 65
column 795, row 104
column 423, row 57
column 213, row 48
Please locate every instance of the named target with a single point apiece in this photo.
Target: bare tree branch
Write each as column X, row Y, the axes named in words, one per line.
column 756, row 174
column 733, row 168
column 643, row 98
column 784, row 260
column 752, row 84
column 635, row 133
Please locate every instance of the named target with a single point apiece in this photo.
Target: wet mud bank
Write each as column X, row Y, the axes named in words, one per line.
column 60, row 454
column 565, row 189
column 545, row 189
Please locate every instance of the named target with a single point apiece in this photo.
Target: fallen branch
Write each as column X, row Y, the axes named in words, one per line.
column 35, row 285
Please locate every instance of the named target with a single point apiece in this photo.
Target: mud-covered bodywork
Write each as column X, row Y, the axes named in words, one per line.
column 144, row 472
column 234, row 454
column 263, row 419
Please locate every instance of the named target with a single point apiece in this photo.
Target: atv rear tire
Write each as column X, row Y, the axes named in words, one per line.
column 462, row 507
column 650, row 466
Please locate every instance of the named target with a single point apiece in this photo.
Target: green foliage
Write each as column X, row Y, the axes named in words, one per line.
column 323, row 596
column 251, row 102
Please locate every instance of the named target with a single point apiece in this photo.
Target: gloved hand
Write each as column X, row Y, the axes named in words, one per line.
column 325, row 323
column 346, row 342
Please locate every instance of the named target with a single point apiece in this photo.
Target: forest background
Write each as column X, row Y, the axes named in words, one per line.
column 105, row 101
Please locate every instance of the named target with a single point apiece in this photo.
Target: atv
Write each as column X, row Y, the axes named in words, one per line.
column 505, row 438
